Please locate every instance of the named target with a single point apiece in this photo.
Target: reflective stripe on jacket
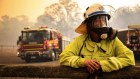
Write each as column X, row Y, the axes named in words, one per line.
column 111, row 54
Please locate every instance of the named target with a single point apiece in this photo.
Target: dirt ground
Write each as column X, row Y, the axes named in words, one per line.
column 8, row 55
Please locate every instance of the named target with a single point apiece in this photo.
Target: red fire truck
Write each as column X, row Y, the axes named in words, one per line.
column 131, row 38
column 40, row 43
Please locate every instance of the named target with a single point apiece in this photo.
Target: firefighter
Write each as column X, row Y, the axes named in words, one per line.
column 97, row 48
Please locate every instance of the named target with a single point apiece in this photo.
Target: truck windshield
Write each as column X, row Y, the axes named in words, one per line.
column 34, row 37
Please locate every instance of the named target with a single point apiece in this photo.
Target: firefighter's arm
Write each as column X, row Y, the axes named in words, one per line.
column 69, row 57
column 124, row 57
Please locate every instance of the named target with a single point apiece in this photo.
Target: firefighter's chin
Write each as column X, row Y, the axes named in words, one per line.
column 103, row 36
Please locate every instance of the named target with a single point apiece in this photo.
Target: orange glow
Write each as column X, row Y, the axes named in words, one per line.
column 35, row 8
column 30, row 8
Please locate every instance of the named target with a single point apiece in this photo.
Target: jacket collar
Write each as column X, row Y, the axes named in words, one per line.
column 90, row 45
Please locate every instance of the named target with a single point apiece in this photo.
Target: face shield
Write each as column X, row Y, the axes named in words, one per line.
column 100, row 21
column 100, row 26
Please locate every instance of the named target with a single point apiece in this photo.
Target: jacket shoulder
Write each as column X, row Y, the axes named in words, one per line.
column 81, row 37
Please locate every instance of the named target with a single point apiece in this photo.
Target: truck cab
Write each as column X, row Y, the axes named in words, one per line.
column 40, row 43
column 133, row 39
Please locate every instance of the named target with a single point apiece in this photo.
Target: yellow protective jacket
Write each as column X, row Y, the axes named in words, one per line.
column 111, row 54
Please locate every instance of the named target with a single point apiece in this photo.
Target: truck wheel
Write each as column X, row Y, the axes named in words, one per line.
column 52, row 56
column 27, row 59
column 57, row 55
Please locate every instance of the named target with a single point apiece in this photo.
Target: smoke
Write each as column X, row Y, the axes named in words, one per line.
column 10, row 28
column 125, row 16
column 64, row 16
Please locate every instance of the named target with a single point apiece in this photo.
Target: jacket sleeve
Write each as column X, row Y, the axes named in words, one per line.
column 123, row 57
column 69, row 57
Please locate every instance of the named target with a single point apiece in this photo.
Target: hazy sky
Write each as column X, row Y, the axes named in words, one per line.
column 31, row 8
column 34, row 8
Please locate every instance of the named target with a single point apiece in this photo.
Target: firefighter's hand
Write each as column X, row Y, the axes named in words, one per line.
column 92, row 65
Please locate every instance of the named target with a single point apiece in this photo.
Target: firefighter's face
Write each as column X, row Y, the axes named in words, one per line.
column 100, row 21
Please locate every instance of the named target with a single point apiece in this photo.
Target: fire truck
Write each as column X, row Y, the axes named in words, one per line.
column 131, row 38
column 41, row 43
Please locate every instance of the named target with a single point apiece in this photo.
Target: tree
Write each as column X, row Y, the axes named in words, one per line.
column 64, row 16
